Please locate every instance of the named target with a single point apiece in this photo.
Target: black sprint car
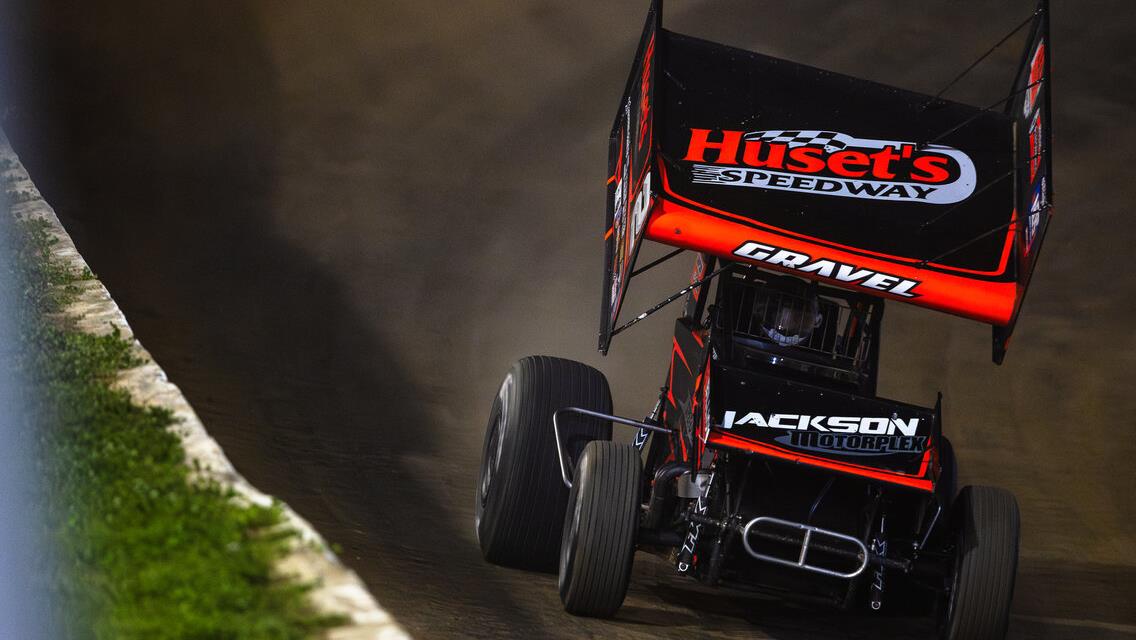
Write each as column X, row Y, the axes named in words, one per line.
column 809, row 198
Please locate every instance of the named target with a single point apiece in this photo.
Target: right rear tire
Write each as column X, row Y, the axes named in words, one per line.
column 521, row 496
column 986, row 561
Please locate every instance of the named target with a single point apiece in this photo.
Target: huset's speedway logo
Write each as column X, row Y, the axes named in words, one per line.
column 832, row 164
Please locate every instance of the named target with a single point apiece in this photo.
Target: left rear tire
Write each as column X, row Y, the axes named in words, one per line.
column 598, row 544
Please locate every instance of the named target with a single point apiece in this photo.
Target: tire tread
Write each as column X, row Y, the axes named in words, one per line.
column 609, row 491
column 989, row 525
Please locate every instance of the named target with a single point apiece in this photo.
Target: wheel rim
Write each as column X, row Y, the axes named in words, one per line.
column 494, row 447
column 571, row 533
column 490, row 458
column 952, row 597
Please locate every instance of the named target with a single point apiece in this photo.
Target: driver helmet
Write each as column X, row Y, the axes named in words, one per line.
column 792, row 311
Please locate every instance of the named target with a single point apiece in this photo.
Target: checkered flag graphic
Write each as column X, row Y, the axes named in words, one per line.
column 830, row 140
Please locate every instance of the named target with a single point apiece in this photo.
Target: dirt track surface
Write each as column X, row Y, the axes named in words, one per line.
column 336, row 226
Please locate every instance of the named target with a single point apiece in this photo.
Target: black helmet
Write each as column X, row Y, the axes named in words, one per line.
column 791, row 311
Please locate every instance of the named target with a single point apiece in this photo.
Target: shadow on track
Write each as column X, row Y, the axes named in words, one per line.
column 152, row 128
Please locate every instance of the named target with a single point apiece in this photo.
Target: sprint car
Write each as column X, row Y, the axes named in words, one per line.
column 769, row 462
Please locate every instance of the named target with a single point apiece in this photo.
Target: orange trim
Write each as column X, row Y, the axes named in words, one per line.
column 611, row 179
column 610, row 230
column 917, row 481
column 680, row 356
column 987, row 301
column 1002, row 261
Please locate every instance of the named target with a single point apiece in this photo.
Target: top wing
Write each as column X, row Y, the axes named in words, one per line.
column 832, row 178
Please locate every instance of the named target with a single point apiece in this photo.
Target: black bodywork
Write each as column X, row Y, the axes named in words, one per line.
column 771, row 464
column 722, row 370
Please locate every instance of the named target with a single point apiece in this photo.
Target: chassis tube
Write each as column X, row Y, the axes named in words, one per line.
column 890, row 563
column 661, row 491
column 564, row 473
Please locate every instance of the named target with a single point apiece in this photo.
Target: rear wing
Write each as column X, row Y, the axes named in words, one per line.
column 852, row 183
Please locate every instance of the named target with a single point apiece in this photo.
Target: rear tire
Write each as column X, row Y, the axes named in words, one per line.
column 600, row 526
column 986, row 561
column 521, row 497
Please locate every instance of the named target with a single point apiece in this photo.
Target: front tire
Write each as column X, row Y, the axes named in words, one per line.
column 600, row 526
column 986, row 562
column 521, row 495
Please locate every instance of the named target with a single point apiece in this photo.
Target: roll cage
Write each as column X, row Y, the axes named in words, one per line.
column 842, row 350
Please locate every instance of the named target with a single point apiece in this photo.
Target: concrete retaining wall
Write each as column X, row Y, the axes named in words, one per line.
column 339, row 590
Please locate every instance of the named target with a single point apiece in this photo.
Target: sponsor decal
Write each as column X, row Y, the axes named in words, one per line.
column 631, row 198
column 824, row 424
column 694, row 531
column 832, row 164
column 701, row 264
column 1037, row 72
column 1035, row 142
column 846, row 435
column 706, row 405
column 642, row 206
column 804, row 263
column 619, row 212
column 1038, row 204
column 645, row 92
column 698, row 273
column 854, row 445
column 641, row 437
